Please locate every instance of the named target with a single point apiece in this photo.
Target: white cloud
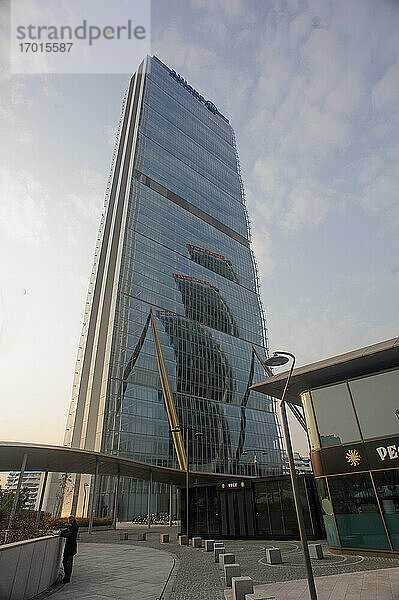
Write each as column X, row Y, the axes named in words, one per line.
column 110, row 134
column 386, row 91
column 83, row 208
column 313, row 104
column 381, row 197
column 307, row 206
column 24, row 137
column 221, row 7
column 23, row 215
column 286, row 199
column 262, row 247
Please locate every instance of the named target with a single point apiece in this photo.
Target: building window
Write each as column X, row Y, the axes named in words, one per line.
column 356, row 511
column 327, row 513
column 387, row 484
column 310, row 422
column 334, row 415
column 382, row 391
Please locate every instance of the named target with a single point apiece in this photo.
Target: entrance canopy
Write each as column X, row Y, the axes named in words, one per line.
column 62, row 459
column 371, row 359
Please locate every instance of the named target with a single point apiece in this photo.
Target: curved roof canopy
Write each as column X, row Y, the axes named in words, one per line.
column 62, row 459
column 363, row 361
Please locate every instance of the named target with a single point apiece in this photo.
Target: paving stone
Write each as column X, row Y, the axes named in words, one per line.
column 226, row 559
column 273, row 556
column 241, row 586
column 209, row 545
column 233, row 570
column 217, row 552
column 199, row 578
column 316, row 551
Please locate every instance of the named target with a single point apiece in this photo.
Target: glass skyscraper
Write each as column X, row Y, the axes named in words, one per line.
column 174, row 239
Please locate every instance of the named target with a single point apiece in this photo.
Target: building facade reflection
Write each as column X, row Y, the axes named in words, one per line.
column 175, row 238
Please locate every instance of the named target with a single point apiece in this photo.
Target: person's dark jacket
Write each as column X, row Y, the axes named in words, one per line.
column 70, row 533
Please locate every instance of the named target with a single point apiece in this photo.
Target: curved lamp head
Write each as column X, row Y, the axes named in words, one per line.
column 277, row 360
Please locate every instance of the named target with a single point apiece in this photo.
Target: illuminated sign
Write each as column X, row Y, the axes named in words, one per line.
column 210, row 106
column 233, row 485
column 166, row 313
column 353, row 457
column 388, row 451
column 195, row 280
column 369, row 455
column 198, row 249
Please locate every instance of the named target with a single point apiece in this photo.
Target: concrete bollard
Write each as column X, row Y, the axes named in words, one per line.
column 141, row 537
column 196, row 542
column 209, row 545
column 182, row 540
column 259, row 596
column 241, row 586
column 226, row 559
column 164, row 538
column 231, row 571
column 316, row 551
column 273, row 556
column 124, row 536
column 217, row 552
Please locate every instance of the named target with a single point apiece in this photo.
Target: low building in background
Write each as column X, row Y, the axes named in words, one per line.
column 31, row 482
column 302, row 463
column 351, row 405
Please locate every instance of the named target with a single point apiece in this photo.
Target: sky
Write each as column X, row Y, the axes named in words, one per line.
column 312, row 91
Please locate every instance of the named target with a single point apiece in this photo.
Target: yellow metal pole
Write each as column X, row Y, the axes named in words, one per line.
column 168, row 397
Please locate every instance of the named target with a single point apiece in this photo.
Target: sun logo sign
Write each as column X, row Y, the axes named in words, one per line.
column 353, row 457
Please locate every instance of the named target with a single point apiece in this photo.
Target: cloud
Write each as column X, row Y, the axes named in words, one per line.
column 110, row 134
column 381, row 197
column 386, row 91
column 289, row 200
column 23, row 214
column 232, row 8
column 261, row 239
column 329, row 137
column 83, row 208
column 307, row 205
column 24, row 137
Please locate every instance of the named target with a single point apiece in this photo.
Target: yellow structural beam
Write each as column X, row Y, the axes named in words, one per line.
column 168, row 398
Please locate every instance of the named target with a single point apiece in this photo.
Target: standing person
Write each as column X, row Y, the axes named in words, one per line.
column 70, row 533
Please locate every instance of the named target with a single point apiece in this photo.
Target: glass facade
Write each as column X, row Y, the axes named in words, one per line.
column 184, row 252
column 264, row 509
column 354, row 433
column 387, row 486
column 356, row 510
column 382, row 391
column 339, row 425
column 275, row 508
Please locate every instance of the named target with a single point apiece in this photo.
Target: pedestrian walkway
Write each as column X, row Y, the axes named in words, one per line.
column 103, row 571
column 382, row 584
column 110, row 566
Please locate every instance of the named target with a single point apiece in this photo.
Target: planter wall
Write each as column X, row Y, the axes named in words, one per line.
column 29, row 567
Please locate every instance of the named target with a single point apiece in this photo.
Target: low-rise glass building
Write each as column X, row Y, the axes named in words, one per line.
column 351, row 405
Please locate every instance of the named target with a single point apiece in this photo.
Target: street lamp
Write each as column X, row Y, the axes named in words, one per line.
column 254, row 450
column 85, row 486
column 278, row 359
column 197, row 434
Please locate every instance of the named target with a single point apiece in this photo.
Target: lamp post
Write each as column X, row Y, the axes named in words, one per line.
column 278, row 359
column 85, row 486
column 254, row 450
column 197, row 434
